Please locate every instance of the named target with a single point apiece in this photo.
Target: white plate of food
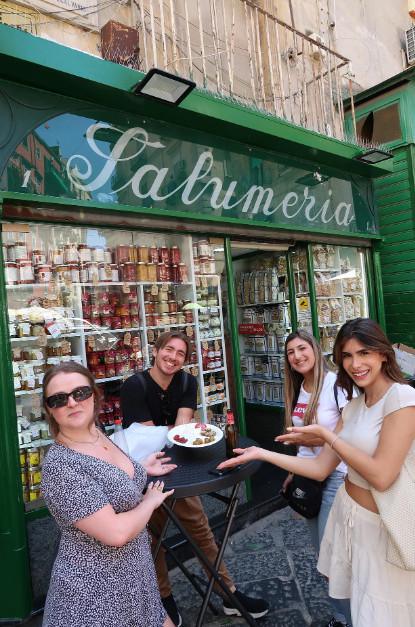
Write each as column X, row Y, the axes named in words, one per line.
column 195, row 435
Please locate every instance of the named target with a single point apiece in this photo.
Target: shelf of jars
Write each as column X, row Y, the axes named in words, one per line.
column 340, row 289
column 103, row 305
column 264, row 323
column 209, row 331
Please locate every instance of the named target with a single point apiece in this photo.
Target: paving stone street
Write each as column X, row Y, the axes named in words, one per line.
column 270, row 558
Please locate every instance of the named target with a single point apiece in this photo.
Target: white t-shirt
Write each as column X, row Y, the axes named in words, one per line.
column 328, row 413
column 362, row 424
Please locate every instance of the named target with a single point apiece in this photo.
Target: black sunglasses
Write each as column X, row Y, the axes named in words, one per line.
column 61, row 399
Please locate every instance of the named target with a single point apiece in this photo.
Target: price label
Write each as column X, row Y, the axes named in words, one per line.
column 164, row 287
column 42, row 340
column 125, row 288
column 154, row 289
column 127, row 339
column 204, row 281
column 91, row 342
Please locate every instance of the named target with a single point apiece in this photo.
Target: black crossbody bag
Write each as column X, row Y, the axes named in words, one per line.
column 304, row 495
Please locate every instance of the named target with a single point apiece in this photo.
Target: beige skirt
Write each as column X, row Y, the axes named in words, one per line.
column 353, row 557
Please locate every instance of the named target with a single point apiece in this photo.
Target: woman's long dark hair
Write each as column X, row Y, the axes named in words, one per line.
column 370, row 334
column 69, row 367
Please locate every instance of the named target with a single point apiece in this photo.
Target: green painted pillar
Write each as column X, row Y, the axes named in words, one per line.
column 16, row 593
column 233, row 328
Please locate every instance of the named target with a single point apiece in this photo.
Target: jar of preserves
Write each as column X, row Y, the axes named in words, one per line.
column 150, row 320
column 98, row 254
column 70, row 254
column 84, row 253
column 25, row 270
column 116, row 322
column 161, row 272
column 174, row 273
column 126, row 322
column 96, row 321
column 153, row 254
column 150, row 307
column 74, row 272
column 99, row 371
column 122, row 309
column 196, row 265
column 121, row 254
column 33, row 456
column 180, row 318
column 212, row 266
column 142, row 271
column 132, row 253
column 162, row 307
column 152, row 272
column 114, row 273
column 134, row 309
column 128, row 272
column 175, row 256
column 142, row 254
column 38, row 257
column 104, row 272
column 110, row 370
column 83, row 273
column 107, row 255
column 10, row 268
column 172, row 306
column 57, row 257
column 93, row 273
column 164, row 256
column 131, row 297
column 135, row 320
column 204, row 248
column 188, row 316
column 183, row 278
column 20, row 251
column 44, row 273
column 11, row 252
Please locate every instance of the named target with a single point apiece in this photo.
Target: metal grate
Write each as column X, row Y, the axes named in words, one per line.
column 410, row 44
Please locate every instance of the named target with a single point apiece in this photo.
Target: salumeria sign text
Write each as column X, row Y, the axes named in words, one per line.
column 255, row 201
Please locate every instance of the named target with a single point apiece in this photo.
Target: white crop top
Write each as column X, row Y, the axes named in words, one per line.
column 362, row 424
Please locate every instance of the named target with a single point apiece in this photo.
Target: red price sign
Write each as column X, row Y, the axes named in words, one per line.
column 251, row 328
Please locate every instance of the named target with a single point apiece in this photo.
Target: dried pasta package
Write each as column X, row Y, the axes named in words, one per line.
column 324, row 312
column 322, row 285
column 282, row 265
column 349, row 308
column 331, row 256
column 334, row 285
column 357, row 306
column 336, row 310
column 239, row 288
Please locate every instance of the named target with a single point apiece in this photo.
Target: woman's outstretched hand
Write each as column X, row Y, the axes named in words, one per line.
column 301, row 436
column 157, row 464
column 311, row 435
column 244, row 455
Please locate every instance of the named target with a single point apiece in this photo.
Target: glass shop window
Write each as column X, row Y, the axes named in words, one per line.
column 380, row 126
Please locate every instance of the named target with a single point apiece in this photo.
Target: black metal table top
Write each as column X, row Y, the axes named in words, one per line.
column 192, row 477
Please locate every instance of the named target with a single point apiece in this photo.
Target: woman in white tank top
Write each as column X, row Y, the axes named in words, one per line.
column 374, row 436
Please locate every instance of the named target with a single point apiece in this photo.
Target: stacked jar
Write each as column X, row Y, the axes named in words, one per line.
column 203, row 257
column 111, row 308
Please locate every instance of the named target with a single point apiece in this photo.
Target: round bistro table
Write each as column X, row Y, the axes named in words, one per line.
column 195, row 475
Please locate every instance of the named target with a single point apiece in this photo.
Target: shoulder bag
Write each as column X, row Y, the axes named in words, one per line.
column 397, row 510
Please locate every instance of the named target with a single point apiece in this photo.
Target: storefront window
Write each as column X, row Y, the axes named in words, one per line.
column 102, row 297
column 264, row 323
column 341, row 290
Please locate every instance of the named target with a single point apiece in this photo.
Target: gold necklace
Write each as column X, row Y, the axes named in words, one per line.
column 80, row 441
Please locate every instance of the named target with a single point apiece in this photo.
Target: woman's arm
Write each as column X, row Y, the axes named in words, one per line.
column 118, row 529
column 318, row 468
column 381, row 469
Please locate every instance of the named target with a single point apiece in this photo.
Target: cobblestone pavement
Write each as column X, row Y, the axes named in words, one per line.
column 271, row 558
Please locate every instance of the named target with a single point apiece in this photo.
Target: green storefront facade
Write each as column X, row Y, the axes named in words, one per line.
column 384, row 115
column 79, row 149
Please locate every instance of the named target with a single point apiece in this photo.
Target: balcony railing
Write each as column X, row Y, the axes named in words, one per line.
column 240, row 51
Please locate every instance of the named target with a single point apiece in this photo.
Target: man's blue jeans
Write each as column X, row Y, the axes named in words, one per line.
column 318, row 524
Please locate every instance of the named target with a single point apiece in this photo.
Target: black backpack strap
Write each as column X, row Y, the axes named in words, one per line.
column 142, row 381
column 185, row 381
column 336, row 396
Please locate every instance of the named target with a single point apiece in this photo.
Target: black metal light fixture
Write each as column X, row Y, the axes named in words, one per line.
column 374, row 155
column 164, row 87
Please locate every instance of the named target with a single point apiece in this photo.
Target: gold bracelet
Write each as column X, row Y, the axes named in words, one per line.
column 334, row 440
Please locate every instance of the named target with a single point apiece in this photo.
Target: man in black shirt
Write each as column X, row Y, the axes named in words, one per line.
column 166, row 395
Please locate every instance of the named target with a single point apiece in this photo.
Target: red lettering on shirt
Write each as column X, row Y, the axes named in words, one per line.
column 299, row 410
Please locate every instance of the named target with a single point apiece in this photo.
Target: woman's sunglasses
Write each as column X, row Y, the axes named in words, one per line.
column 61, row 399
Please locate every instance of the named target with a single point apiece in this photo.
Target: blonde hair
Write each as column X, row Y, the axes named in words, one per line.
column 293, row 379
